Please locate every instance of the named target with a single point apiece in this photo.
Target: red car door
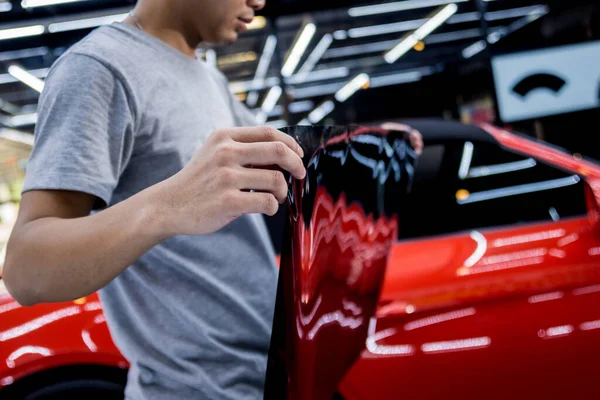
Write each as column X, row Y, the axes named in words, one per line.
column 493, row 287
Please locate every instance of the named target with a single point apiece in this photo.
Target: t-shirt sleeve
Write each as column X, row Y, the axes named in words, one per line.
column 84, row 134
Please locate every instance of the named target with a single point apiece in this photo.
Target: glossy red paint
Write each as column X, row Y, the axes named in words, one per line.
column 495, row 313
column 46, row 336
column 331, row 276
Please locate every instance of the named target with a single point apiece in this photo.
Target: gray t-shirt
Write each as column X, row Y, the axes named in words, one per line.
column 122, row 111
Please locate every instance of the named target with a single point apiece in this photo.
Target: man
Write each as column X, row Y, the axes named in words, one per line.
column 136, row 131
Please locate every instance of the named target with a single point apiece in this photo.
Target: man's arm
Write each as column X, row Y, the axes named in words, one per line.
column 57, row 252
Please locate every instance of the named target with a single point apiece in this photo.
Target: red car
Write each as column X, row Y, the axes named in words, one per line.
column 491, row 290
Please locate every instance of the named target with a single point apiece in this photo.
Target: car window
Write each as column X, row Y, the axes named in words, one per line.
column 464, row 185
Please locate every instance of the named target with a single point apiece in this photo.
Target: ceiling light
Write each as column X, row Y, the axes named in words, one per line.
column 24, row 31
column 261, row 118
column 298, row 49
column 409, row 42
column 475, row 48
column 314, row 57
column 278, row 124
column 398, row 6
column 262, row 68
column 5, row 6
column 85, row 23
column 396, row 79
column 515, row 12
column 8, row 78
column 258, row 22
column 319, row 75
column 340, row 35
column 25, row 53
column 316, row 90
column 23, row 120
column 271, row 99
column 44, row 3
column 26, row 77
column 321, row 112
column 16, row 136
column 385, row 28
column 237, row 58
column 351, row 87
column 244, row 86
column 301, row 106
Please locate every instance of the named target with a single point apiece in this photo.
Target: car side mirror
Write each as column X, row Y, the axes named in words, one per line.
column 592, row 200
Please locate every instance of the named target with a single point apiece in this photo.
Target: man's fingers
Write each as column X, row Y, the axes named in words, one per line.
column 264, row 134
column 264, row 180
column 273, row 153
column 258, row 202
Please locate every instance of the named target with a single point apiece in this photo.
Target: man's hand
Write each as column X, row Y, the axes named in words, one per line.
column 414, row 136
column 231, row 175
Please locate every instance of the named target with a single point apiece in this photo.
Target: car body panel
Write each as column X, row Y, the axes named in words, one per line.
column 46, row 336
column 520, row 320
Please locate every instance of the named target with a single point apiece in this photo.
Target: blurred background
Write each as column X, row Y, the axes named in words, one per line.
column 528, row 65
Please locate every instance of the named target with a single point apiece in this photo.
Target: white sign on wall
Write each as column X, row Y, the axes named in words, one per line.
column 547, row 82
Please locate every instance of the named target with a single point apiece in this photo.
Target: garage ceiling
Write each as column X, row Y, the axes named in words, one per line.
column 347, row 41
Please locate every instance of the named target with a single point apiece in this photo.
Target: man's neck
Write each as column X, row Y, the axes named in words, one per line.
column 164, row 24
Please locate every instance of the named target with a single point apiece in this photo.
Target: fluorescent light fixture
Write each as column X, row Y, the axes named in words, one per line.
column 44, row 3
column 9, row 107
column 383, row 29
column 496, row 169
column 386, row 45
column 316, row 90
column 261, row 118
column 433, row 23
column 401, row 49
column 8, row 78
column 352, row 87
column 16, row 136
column 278, row 123
column 466, row 17
column 519, row 189
column 5, row 6
column 271, row 99
column 301, row 106
column 314, row 57
column 321, row 112
column 465, row 161
column 515, row 12
column 26, row 77
column 245, row 86
column 298, row 49
column 340, row 35
column 474, row 49
column 23, row 120
column 262, row 69
column 398, row 6
column 85, row 23
column 24, row 31
column 319, row 75
column 395, row 79
column 453, row 36
column 25, row 53
column 304, row 122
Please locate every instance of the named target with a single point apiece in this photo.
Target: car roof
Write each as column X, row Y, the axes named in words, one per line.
column 439, row 129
